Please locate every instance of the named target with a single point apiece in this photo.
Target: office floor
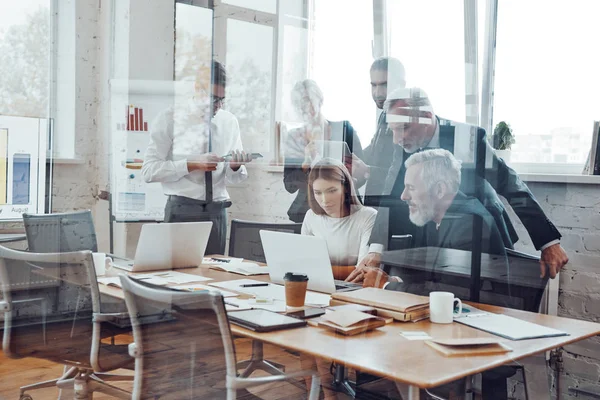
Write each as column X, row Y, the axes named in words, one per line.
column 16, row 373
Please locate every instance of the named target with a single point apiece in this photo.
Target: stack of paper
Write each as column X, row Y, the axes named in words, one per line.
column 170, row 277
column 242, row 268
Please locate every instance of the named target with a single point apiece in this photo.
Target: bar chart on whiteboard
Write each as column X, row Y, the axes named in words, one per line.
column 132, row 198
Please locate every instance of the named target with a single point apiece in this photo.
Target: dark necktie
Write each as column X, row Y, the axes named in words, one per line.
column 208, row 174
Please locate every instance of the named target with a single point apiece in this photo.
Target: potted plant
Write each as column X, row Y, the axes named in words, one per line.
column 503, row 138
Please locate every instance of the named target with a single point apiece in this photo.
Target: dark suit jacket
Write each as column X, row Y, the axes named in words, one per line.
column 379, row 156
column 455, row 232
column 296, row 180
column 500, row 179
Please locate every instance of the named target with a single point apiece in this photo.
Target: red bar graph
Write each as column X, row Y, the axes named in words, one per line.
column 134, row 120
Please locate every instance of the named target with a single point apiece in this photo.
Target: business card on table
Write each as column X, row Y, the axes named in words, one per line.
column 415, row 335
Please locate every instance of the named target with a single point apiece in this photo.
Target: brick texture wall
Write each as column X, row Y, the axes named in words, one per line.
column 575, row 210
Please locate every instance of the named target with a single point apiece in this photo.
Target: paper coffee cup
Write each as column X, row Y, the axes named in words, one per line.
column 295, row 289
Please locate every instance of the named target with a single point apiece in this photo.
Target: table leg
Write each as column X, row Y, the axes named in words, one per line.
column 414, row 393
column 469, row 388
column 341, row 382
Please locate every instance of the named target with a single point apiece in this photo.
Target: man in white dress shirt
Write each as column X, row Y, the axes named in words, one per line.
column 187, row 155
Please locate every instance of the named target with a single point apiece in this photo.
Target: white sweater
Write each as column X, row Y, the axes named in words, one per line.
column 347, row 238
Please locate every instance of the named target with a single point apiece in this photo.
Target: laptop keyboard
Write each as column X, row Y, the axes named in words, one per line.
column 341, row 285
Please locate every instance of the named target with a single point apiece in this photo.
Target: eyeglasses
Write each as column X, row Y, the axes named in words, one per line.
column 218, row 100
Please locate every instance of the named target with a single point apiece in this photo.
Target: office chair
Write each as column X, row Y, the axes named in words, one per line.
column 190, row 353
column 244, row 242
column 244, row 237
column 60, row 232
column 64, row 326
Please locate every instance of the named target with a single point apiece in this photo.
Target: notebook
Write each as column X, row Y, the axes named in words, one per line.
column 398, row 305
column 350, row 322
column 508, row 327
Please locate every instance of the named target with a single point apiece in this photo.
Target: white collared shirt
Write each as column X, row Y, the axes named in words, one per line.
column 174, row 141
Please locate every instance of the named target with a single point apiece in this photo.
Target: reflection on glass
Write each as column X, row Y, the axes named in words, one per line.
column 249, row 74
column 269, row 6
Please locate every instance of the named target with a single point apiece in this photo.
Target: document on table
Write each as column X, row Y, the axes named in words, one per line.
column 238, row 304
column 271, row 291
column 508, row 327
column 236, row 266
column 198, row 287
column 170, row 277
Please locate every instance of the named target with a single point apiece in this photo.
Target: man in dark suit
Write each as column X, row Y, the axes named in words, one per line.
column 444, row 214
column 415, row 128
column 387, row 74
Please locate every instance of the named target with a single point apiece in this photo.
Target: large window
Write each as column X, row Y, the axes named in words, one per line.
column 25, row 58
column 428, row 37
column 340, row 55
column 546, row 78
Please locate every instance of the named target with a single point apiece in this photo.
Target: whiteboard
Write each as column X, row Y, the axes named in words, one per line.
column 23, row 146
column 132, row 199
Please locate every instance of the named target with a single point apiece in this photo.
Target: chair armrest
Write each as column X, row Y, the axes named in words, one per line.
column 109, row 317
column 113, row 256
column 133, row 350
column 243, row 383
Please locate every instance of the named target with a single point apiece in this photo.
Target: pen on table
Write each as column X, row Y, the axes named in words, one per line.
column 254, row 285
column 231, row 304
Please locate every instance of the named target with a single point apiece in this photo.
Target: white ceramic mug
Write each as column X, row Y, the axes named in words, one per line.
column 441, row 307
column 100, row 262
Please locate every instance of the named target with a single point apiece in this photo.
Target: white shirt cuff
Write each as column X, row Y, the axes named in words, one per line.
column 181, row 168
column 552, row 243
column 392, row 279
column 376, row 248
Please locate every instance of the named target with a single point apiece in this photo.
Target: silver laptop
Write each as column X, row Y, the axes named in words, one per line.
column 289, row 252
column 169, row 246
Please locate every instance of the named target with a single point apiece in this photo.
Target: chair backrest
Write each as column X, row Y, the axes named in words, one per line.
column 244, row 237
column 182, row 342
column 48, row 301
column 60, row 232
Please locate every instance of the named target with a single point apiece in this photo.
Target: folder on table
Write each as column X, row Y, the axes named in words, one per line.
column 509, row 327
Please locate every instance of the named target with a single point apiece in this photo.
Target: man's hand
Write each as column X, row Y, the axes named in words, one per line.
column 239, row 158
column 358, row 275
column 357, row 167
column 371, row 260
column 554, row 257
column 375, row 277
column 205, row 162
column 310, row 152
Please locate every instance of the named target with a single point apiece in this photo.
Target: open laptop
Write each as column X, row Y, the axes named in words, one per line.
column 168, row 246
column 290, row 252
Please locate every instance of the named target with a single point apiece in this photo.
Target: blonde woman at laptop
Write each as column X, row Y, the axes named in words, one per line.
column 337, row 215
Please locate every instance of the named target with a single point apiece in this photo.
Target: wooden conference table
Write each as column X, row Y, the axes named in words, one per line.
column 384, row 352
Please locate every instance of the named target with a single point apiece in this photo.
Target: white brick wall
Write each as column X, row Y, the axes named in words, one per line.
column 575, row 209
